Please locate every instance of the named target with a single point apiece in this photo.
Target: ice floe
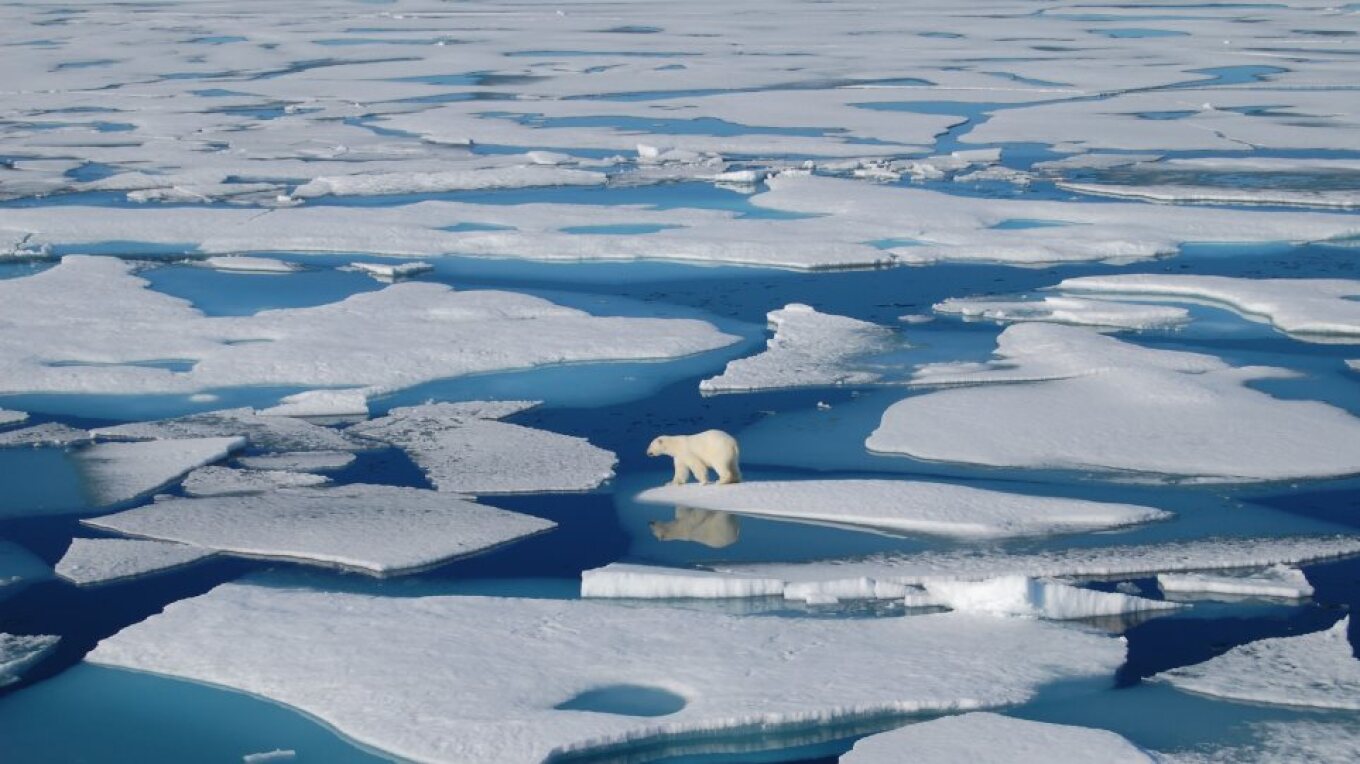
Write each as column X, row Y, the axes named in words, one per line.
column 1066, row 310
column 265, row 757
column 1076, row 399
column 321, row 403
column 1315, row 309
column 263, row 431
column 904, row 506
column 520, row 663
column 61, row 340
column 225, row 481
column 1316, row 670
column 101, row 561
column 1034, row 598
column 1280, row 581
column 622, row 580
column 118, row 472
column 11, row 417
column 372, row 528
column 987, row 738
column 45, row 434
column 464, row 449
column 1204, row 194
column 392, row 271
column 808, row 349
column 19, row 652
column 299, row 461
column 449, row 180
column 249, row 264
column 1297, row 740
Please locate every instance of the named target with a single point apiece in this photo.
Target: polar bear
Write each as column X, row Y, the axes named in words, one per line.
column 698, row 454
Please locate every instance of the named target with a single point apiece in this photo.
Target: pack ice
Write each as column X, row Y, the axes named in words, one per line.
column 1066, row 310
column 118, row 472
column 19, row 652
column 1280, row 581
column 102, row 561
column 1317, row 670
column 464, row 449
column 988, row 738
column 904, row 506
column 514, row 661
column 376, row 529
column 1061, row 397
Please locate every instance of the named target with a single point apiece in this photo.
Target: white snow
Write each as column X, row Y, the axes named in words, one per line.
column 513, row 660
column 274, row 432
column 372, row 528
column 1035, row 598
column 392, row 271
column 883, row 576
column 45, row 434
column 1181, row 193
column 1315, row 670
column 118, row 472
column 321, row 403
column 59, row 338
column 904, row 506
column 225, row 481
column 449, row 180
column 463, row 449
column 299, row 461
column 651, row 582
column 101, row 561
column 19, row 652
column 1320, row 310
column 1280, row 581
column 1065, row 310
column 1060, row 397
column 808, row 349
column 249, row 264
column 11, row 417
column 987, row 738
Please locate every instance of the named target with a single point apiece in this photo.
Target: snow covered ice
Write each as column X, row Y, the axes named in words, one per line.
column 102, row 561
column 1066, row 310
column 1279, row 581
column 988, row 738
column 226, row 481
column 902, row 506
column 518, row 658
column 118, row 472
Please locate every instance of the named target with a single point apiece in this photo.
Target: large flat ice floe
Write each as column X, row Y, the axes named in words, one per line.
column 1320, row 310
column 226, row 481
column 904, row 506
column 1207, row 194
column 61, row 340
column 102, row 561
column 464, row 449
column 1280, row 581
column 118, row 472
column 376, row 529
column 262, row 431
column 299, row 461
column 514, row 661
column 1033, row 598
column 19, row 652
column 447, row 180
column 1061, row 397
column 987, row 738
column 1066, row 310
column 1316, row 670
column 883, row 576
column 808, row 349
column 45, row 434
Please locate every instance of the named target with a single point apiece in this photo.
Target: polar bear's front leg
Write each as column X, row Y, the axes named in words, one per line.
column 699, row 469
column 681, row 473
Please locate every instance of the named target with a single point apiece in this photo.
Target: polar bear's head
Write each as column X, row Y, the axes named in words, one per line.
column 660, row 445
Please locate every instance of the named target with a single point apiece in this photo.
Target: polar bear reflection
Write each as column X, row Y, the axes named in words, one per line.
column 703, row 526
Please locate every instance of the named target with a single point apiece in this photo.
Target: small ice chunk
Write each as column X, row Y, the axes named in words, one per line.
column 101, row 561
column 19, row 652
column 267, row 757
column 392, row 271
column 550, row 158
column 1034, row 598
column 987, row 738
column 225, row 481
column 978, row 156
column 1280, row 581
column 1066, row 310
column 372, row 528
column 250, row 264
column 808, row 348
column 45, row 434
column 12, row 417
column 653, row 582
column 321, row 403
column 299, row 461
column 906, row 506
column 464, row 449
column 740, row 177
column 272, row 432
column 1316, row 670
column 118, row 472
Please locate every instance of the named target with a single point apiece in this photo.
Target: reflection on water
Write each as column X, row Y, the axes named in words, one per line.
column 703, row 526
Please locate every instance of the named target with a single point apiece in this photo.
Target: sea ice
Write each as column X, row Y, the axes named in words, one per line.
column 1316, row 670
column 392, row 271
column 45, row 434
column 808, row 349
column 225, row 481
column 263, row 431
column 118, row 472
column 1206, row 194
column 904, row 506
column 463, row 449
column 249, row 264
column 321, row 403
column 1300, row 740
column 376, row 529
column 1076, row 399
column 1276, row 581
column 1320, row 310
column 987, row 738
column 514, row 661
column 449, row 180
column 1066, row 310
column 265, row 757
column 12, row 417
column 651, row 582
column 101, row 561
column 299, row 461
column 1034, row 598
column 19, row 652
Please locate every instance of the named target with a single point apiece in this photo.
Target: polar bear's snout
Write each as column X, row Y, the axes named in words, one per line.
column 655, row 448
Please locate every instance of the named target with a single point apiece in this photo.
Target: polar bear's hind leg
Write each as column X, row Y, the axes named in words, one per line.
column 699, row 469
